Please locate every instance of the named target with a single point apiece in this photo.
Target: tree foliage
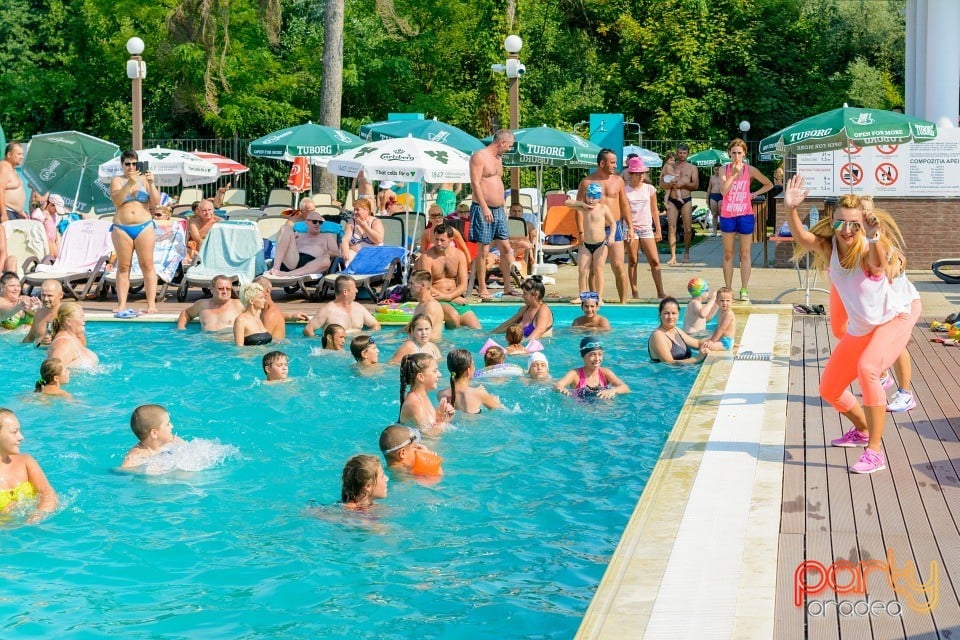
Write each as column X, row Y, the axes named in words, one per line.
column 219, row 68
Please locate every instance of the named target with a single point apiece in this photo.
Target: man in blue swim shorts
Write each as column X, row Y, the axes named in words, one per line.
column 488, row 221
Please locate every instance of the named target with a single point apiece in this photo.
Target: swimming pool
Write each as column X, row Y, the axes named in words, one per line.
column 511, row 543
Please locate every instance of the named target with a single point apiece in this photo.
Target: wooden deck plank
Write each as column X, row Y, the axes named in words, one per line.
column 912, row 509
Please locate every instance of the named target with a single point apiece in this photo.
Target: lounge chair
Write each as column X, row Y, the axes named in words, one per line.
column 294, row 284
column 280, row 198
column 169, row 251
column 85, row 250
column 561, row 221
column 372, row 266
column 26, row 239
column 232, row 248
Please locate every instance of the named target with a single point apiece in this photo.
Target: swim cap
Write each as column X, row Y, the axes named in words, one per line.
column 594, row 191
column 697, row 287
column 536, row 357
column 590, row 343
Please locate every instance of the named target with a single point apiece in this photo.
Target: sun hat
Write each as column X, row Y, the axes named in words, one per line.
column 635, row 165
column 594, row 191
column 57, row 202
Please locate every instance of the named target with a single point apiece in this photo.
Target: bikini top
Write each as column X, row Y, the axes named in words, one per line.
column 142, row 196
column 257, row 338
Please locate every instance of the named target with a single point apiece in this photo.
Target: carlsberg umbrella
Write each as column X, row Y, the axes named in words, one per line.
column 66, row 164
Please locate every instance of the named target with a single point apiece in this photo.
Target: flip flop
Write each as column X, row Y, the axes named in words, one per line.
column 126, row 314
column 803, row 310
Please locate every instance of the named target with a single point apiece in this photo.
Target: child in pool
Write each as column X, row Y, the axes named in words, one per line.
column 365, row 351
column 538, row 368
column 52, row 375
column 722, row 338
column 403, row 451
column 419, row 334
column 362, row 482
column 276, row 367
column 597, row 230
column 494, row 355
column 514, row 338
column 151, row 424
column 461, row 394
column 419, row 372
column 20, row 475
column 701, row 308
column 334, row 337
column 592, row 380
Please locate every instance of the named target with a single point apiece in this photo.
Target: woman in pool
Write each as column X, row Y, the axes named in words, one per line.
column 21, row 478
column 591, row 318
column 133, row 228
column 334, row 337
column 592, row 380
column 419, row 372
column 69, row 342
column 248, row 328
column 364, row 230
column 535, row 315
column 668, row 343
column 419, row 333
column 53, row 375
column 860, row 249
column 363, row 481
column 461, row 394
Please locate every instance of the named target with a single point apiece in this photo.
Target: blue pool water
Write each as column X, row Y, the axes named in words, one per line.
column 511, row 543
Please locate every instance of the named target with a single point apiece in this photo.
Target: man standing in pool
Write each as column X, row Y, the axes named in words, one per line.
column 343, row 310
column 615, row 197
column 216, row 313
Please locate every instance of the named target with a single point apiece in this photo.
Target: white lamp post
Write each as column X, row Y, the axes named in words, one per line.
column 136, row 71
column 744, row 128
column 513, row 68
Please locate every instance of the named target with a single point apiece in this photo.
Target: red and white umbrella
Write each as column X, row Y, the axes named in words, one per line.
column 299, row 180
column 226, row 166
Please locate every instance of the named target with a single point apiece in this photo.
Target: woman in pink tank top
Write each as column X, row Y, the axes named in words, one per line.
column 736, row 212
column 859, row 246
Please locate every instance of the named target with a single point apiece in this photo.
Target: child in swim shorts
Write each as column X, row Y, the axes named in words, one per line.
column 726, row 322
column 701, row 308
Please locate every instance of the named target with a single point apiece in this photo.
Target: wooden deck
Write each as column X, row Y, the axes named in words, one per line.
column 907, row 514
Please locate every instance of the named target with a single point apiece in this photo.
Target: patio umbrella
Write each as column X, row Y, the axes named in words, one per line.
column 836, row 129
column 650, row 158
column 170, row 167
column 226, row 166
column 548, row 147
column 66, row 163
column 709, row 158
column 403, row 160
column 314, row 141
column 432, row 130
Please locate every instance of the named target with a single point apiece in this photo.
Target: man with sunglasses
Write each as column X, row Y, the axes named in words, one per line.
column 310, row 252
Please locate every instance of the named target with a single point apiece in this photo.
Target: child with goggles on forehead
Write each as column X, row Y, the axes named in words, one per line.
column 591, row 318
column 403, row 451
column 592, row 380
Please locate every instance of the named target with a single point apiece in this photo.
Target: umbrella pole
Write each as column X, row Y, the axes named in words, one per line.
column 76, row 196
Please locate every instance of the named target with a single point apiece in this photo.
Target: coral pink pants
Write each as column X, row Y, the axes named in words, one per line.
column 863, row 358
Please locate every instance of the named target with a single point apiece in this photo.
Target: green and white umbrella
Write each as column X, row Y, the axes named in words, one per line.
column 316, row 142
column 548, row 147
column 170, row 167
column 709, row 158
column 66, row 164
column 432, row 130
column 838, row 128
column 403, row 160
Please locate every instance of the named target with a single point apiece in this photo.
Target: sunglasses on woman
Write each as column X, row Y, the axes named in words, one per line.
column 852, row 225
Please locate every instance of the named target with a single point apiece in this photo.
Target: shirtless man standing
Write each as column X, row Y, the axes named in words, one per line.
column 13, row 197
column 216, row 313
column 615, row 197
column 447, row 267
column 343, row 310
column 51, row 295
column 687, row 180
column 488, row 221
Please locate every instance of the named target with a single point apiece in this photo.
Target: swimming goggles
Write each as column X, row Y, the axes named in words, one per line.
column 415, row 438
column 853, row 225
column 589, row 295
column 591, row 346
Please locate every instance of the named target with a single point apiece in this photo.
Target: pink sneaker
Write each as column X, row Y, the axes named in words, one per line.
column 852, row 438
column 869, row 462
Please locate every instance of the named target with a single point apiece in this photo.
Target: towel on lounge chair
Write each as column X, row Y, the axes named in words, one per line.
column 169, row 251
column 232, row 247
column 374, row 260
column 82, row 246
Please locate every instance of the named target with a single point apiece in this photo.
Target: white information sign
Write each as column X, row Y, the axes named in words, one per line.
column 929, row 169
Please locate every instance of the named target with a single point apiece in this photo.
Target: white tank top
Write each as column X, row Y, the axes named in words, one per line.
column 639, row 199
column 869, row 300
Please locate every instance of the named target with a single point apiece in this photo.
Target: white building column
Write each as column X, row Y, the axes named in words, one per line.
column 914, row 82
column 942, row 65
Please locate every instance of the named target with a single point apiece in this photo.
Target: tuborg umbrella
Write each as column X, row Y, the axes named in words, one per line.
column 170, row 167
column 432, row 130
column 66, row 164
column 314, row 141
column 836, row 129
column 548, row 147
column 709, row 158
